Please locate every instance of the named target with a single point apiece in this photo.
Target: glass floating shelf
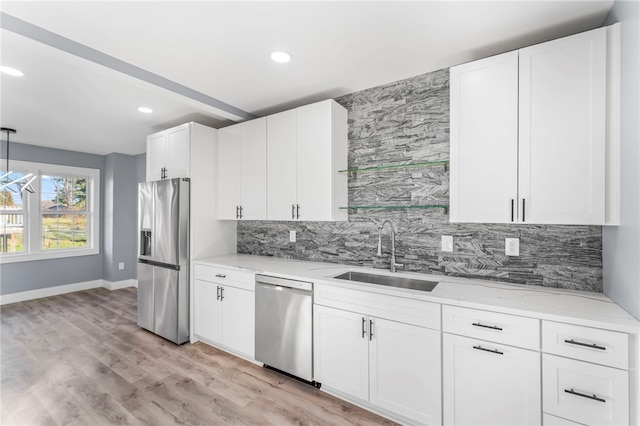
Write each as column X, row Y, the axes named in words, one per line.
column 414, row 206
column 443, row 163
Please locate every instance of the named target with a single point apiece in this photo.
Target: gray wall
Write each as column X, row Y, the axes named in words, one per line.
column 121, row 198
column 119, row 175
column 622, row 243
column 409, row 121
column 32, row 275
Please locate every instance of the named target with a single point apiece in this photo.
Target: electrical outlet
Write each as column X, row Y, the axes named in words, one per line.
column 512, row 246
column 447, row 243
column 121, row 266
column 292, row 236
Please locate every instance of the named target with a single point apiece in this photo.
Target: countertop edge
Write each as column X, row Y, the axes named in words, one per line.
column 513, row 293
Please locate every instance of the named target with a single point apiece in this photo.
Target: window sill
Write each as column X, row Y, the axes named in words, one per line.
column 46, row 255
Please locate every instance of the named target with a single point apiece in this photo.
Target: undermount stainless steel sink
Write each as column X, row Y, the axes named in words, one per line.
column 401, row 282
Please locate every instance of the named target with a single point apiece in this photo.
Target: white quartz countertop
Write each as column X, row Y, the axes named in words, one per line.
column 569, row 306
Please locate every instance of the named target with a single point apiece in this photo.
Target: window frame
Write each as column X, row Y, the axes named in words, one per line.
column 32, row 236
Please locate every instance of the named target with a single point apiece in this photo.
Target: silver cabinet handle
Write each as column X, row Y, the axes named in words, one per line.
column 221, row 276
column 584, row 395
column 218, row 292
column 493, row 351
column 370, row 329
column 523, row 209
column 586, row 345
column 364, row 328
column 240, row 212
column 297, row 211
column 293, row 211
column 492, row 327
column 237, row 212
column 221, row 294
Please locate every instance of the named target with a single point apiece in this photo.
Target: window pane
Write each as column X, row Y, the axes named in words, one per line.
column 63, row 193
column 10, row 197
column 11, row 233
column 60, row 231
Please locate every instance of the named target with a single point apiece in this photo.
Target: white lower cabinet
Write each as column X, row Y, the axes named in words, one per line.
column 341, row 351
column 585, row 377
column 485, row 383
column 585, row 393
column 404, row 370
column 392, row 366
column 224, row 309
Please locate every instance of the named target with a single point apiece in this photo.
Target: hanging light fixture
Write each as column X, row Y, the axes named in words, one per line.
column 22, row 183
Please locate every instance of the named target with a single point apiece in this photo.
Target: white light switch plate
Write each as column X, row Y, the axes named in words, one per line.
column 121, row 266
column 512, row 246
column 447, row 243
column 292, row 236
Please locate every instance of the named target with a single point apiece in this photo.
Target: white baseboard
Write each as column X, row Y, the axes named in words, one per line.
column 117, row 285
column 62, row 289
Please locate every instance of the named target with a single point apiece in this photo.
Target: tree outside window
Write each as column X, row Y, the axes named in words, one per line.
column 63, row 204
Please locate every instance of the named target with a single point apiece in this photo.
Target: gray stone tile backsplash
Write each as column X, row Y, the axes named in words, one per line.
column 408, row 121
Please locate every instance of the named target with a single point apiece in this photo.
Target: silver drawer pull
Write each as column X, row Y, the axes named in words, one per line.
column 493, row 351
column 221, row 275
column 594, row 397
column 493, row 327
column 586, row 345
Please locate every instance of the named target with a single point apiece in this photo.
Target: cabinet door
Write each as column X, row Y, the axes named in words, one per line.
column 228, row 172
column 314, row 171
column 341, row 360
column 238, row 320
column 178, row 152
column 586, row 393
column 484, row 140
column 207, row 315
column 404, row 370
column 562, row 130
column 253, row 170
column 489, row 384
column 281, row 158
column 156, row 155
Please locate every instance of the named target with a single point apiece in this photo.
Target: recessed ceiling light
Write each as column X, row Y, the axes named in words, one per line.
column 11, row 71
column 280, row 57
column 145, row 110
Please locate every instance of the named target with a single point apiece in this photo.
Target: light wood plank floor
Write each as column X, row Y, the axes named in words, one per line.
column 81, row 359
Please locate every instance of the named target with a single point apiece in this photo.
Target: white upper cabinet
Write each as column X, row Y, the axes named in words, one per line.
column 484, row 139
column 562, row 130
column 529, row 135
column 242, row 171
column 168, row 153
column 306, row 147
column 282, row 144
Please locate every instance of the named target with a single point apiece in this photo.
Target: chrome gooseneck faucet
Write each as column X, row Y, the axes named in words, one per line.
column 393, row 244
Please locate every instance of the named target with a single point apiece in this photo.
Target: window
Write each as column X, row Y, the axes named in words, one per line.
column 60, row 219
column 12, row 214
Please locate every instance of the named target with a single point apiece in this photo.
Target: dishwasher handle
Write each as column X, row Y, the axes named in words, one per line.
column 269, row 288
column 269, row 281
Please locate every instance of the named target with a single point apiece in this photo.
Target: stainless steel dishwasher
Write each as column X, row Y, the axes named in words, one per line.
column 284, row 330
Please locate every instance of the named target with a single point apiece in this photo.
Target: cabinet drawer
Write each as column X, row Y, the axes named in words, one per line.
column 584, row 392
column 225, row 276
column 587, row 344
column 501, row 328
column 409, row 311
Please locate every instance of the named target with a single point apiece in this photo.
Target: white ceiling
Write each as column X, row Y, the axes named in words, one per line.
column 221, row 49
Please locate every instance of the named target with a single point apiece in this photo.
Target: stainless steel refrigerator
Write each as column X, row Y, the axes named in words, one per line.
column 163, row 258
